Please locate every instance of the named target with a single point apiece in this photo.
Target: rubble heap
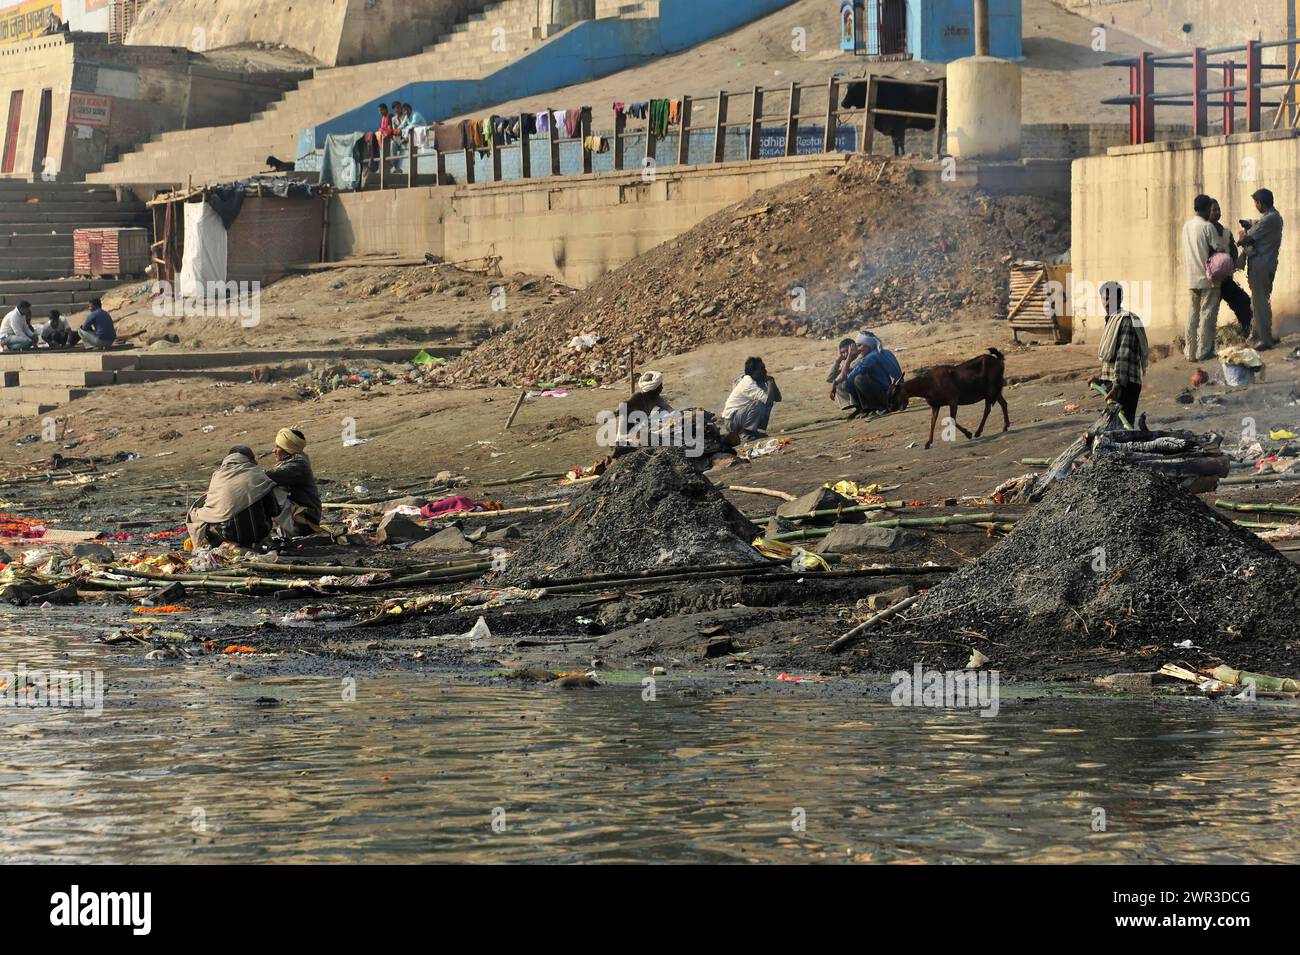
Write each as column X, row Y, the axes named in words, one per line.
column 819, row 255
column 1119, row 558
column 649, row 511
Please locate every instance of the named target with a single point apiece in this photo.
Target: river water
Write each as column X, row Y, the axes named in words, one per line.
column 187, row 765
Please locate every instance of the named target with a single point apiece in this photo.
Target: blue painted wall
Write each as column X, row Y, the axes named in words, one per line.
column 584, row 52
column 947, row 29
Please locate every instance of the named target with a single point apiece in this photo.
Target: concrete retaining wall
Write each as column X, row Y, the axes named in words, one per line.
column 1128, row 208
column 576, row 228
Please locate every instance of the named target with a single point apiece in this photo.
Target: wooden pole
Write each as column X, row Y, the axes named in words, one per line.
column 518, row 404
column 854, row 635
column 684, row 139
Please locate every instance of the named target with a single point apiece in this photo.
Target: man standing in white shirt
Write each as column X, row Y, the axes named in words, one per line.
column 1203, row 316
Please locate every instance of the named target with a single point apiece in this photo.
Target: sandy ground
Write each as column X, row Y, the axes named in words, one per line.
column 415, row 431
column 1064, row 79
column 377, row 306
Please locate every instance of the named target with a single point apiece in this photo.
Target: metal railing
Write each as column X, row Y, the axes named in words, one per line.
column 753, row 109
column 1243, row 87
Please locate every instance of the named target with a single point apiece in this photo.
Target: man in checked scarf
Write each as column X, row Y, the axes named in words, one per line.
column 1123, row 352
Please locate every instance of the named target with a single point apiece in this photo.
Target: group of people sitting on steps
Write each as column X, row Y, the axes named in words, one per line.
column 17, row 333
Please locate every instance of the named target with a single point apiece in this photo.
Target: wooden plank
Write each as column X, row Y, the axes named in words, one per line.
column 792, row 122
column 553, row 137
column 584, row 130
column 832, row 117
column 525, row 149
column 720, row 129
column 620, row 130
column 869, row 127
column 865, row 138
column 1015, row 309
column 684, row 140
column 941, row 121
column 755, row 120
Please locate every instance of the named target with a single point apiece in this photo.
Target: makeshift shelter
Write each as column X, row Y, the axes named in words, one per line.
column 245, row 231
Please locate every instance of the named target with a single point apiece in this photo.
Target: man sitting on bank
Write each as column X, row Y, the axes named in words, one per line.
column 872, row 379
column 749, row 406
column 242, row 506
column 97, row 330
column 57, row 333
column 292, row 472
column 16, row 332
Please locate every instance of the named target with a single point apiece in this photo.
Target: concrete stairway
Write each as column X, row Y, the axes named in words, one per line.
column 480, row 43
column 37, row 220
column 69, row 296
column 34, row 383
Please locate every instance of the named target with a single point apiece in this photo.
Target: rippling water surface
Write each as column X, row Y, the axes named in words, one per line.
column 186, row 765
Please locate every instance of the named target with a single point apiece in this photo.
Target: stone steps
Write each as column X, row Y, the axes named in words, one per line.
column 69, row 296
column 464, row 51
column 37, row 220
column 40, row 381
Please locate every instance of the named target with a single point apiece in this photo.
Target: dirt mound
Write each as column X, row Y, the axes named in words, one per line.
column 1119, row 558
column 818, row 255
column 651, row 510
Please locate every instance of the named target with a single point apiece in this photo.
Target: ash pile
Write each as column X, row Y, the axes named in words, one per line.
column 1119, row 557
column 1196, row 462
column 651, row 510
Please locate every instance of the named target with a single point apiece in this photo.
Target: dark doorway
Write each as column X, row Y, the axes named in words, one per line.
column 887, row 30
column 42, row 131
column 11, row 131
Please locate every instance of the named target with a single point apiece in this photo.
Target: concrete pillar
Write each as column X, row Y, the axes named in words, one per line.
column 983, row 108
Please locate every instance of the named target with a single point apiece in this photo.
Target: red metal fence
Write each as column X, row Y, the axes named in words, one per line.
column 1231, row 64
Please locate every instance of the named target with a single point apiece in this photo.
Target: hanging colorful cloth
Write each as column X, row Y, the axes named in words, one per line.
column 659, row 117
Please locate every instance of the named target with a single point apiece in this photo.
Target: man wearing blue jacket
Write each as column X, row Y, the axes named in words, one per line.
column 97, row 330
column 872, row 378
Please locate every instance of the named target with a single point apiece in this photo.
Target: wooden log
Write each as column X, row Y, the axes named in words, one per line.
column 742, row 489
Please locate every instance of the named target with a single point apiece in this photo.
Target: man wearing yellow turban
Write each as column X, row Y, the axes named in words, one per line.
column 292, row 471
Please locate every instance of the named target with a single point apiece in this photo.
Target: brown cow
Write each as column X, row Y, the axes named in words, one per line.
column 980, row 379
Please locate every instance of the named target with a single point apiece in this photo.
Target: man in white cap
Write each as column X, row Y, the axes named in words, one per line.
column 864, row 343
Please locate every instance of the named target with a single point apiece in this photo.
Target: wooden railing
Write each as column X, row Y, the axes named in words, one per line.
column 756, row 109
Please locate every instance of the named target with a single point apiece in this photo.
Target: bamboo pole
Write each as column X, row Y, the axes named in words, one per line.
column 525, row 478
column 771, row 575
column 950, row 520
column 854, row 509
column 1260, row 478
column 857, row 632
column 1250, row 507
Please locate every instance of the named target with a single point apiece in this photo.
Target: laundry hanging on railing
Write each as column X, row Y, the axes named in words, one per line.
column 659, row 117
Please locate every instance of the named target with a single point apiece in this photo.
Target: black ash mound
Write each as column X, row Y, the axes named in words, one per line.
column 1118, row 558
column 651, row 510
